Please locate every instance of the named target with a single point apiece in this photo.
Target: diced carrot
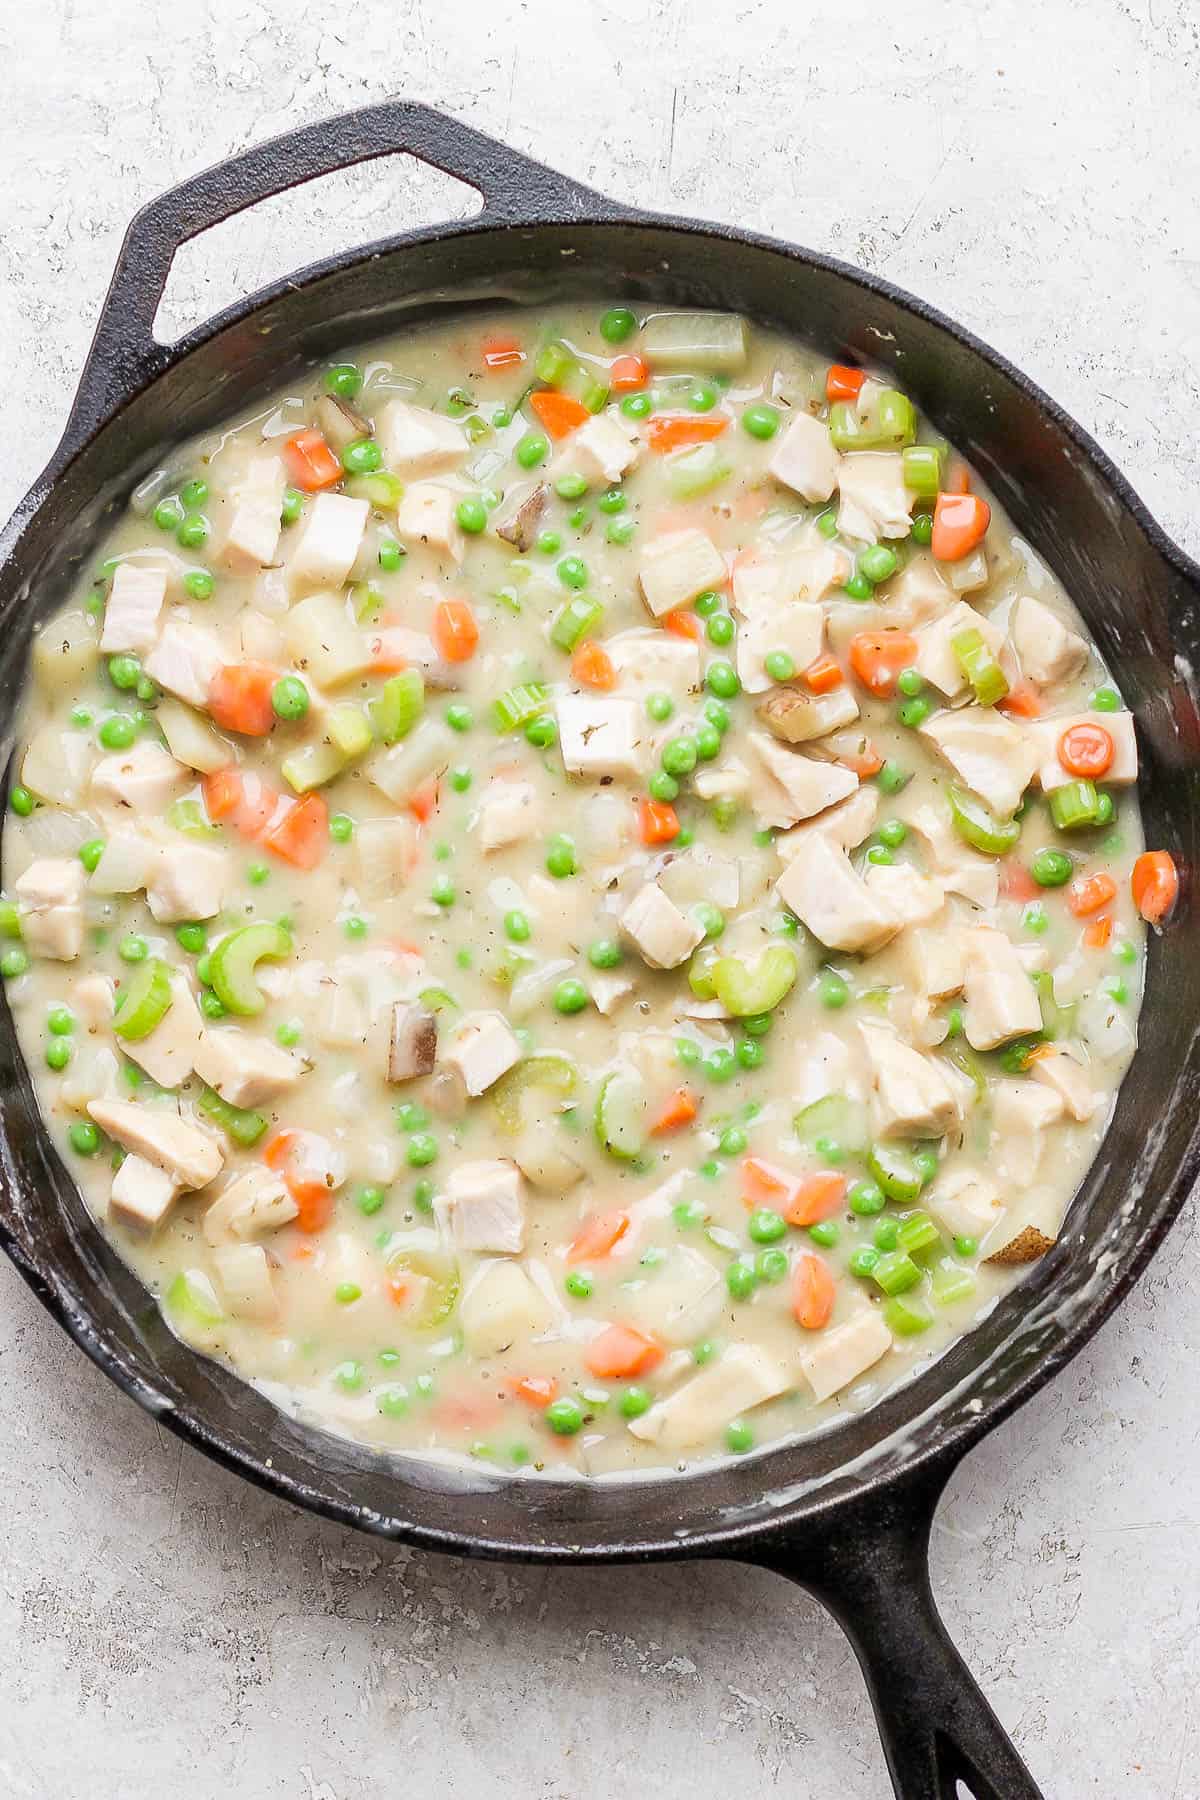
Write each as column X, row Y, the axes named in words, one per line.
column 1016, row 883
column 398, row 1287
column 310, row 462
column 960, row 521
column 868, row 762
column 622, row 1351
column 597, row 1235
column 843, row 382
column 313, row 1198
column 387, row 658
column 422, row 802
column 658, row 822
column 301, row 834
column 1022, row 701
column 1086, row 751
column 455, row 631
column 239, row 698
column 278, row 1148
column 627, row 373
column 877, row 658
column 817, row 1197
column 467, row 1412
column 824, row 675
column 302, row 1253
column 671, row 431
column 502, row 353
column 683, row 624
column 1155, row 885
column 592, row 666
column 813, row 1292
column 535, row 1390
column 1098, row 933
column 763, row 1183
column 558, row 413
column 1087, row 897
column 679, row 1110
column 222, row 793
column 257, row 807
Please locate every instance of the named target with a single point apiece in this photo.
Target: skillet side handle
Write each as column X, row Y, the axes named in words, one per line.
column 124, row 355
column 871, row 1571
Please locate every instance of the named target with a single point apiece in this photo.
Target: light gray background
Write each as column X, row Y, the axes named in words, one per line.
column 1033, row 170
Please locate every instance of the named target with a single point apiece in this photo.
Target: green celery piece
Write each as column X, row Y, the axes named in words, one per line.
column 144, row 1001
column 192, row 1301
column 979, row 665
column 244, row 1127
column 979, row 827
column 349, row 729
column 1075, row 805
column 743, row 990
column 895, row 1171
column 693, row 472
column 578, row 619
column 917, row 1232
column 520, row 704
column 190, row 820
column 951, row 1282
column 837, row 1117
column 233, row 962
column 896, row 1272
column 545, row 1070
column 399, row 706
column 922, row 470
column 905, row 1317
column 893, row 427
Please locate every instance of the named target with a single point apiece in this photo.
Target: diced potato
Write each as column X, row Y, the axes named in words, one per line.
column 57, row 764
column 694, row 340
column 601, row 736
column 501, row 1306
column 63, row 653
column 323, row 640
column 191, row 739
column 678, row 565
column 400, row 771
column 385, row 851
column 246, row 1284
column 840, row 1355
column 743, row 1377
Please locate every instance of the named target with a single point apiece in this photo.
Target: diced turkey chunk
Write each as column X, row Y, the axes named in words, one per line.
column 831, row 901
column 1065, row 1077
column 507, row 813
column 184, row 661
column 191, row 739
column 1047, row 735
column 805, row 459
column 841, row 1354
column 1021, row 1112
column 324, row 642
column 482, row 1049
column 501, row 1306
column 797, row 627
column 608, row 991
column 254, row 1203
column 135, row 604
column 795, row 786
column 993, row 757
column 50, row 903
column 744, row 1377
column 844, row 825
column 328, row 545
column 663, row 936
column 652, row 661
column 604, row 449
column 188, row 881
column 917, row 594
column 1002, row 1002
column 599, row 737
column 912, row 1098
column 426, row 515
column 915, row 899
column 938, row 961
column 192, row 1156
column 245, row 1070
column 486, row 1209
column 959, row 869
column 417, row 443
column 874, row 502
column 796, row 717
column 145, row 778
column 248, row 539
column 810, row 576
column 935, row 656
column 412, row 1046
column 57, row 764
column 142, row 1194
column 246, row 1282
column 168, row 1054
column 92, row 996
column 825, row 1067
column 1046, row 649
column 678, row 565
column 965, row 1203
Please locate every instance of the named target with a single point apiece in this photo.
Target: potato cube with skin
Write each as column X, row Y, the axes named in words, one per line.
column 485, row 1206
column 936, row 659
column 1001, row 1001
column 57, row 765
column 412, row 1044
column 678, row 565
column 324, row 556
column 965, row 1203
column 144, row 778
column 501, row 1306
column 795, row 786
column 426, row 515
column 185, row 661
column 744, row 1377
column 192, row 1156
column 417, row 443
column 142, row 1194
column 246, row 1282
column 795, row 717
column 604, row 449
column 992, row 756
column 244, row 1069
column 832, row 902
column 1046, row 649
column 50, row 904
column 507, row 813
column 324, row 642
column 805, row 459
column 663, row 936
column 912, row 1097
column 252, row 1204
column 135, row 603
column 600, row 736
column 844, row 1352
column 482, row 1049
column 874, row 502
column 796, row 628
column 188, row 881
column 168, row 1054
column 251, row 520
column 1047, row 734
column 915, row 899
column 191, row 739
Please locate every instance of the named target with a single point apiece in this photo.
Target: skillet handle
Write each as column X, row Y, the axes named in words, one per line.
column 870, row 1568
column 124, row 355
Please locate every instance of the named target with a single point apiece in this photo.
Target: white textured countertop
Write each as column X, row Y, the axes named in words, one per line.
column 1036, row 173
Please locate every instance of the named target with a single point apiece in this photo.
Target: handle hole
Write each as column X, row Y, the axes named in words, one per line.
column 320, row 218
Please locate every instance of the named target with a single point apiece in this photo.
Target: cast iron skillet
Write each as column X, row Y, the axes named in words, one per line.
column 846, row 1514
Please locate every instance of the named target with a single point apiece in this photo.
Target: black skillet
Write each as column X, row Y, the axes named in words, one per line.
column 846, row 1514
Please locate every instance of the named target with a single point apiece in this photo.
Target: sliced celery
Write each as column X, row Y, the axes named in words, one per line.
column 576, row 620
column 951, row 1282
column 384, row 491
column 890, row 425
column 743, row 989
column 1075, row 805
column 545, row 1070
column 144, row 1001
column 896, row 1272
column 190, row 818
column 917, row 1232
column 978, row 663
column 520, row 704
column 312, row 767
column 233, row 962
column 896, row 1171
column 695, row 471
column 922, row 469
column 244, row 1127
column 837, row 1117
column 906, row 1318
column 10, row 920
column 620, row 1117
column 399, row 707
column 349, row 729
column 978, row 826
column 192, row 1301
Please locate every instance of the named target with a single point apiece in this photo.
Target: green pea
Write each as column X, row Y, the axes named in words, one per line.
column 660, row 707
column 720, row 1064
column 761, row 420
column 832, row 990
column 471, row 514
column 570, row 996
column 564, row 1417
column 910, row 682
column 679, row 756
column 886, row 1235
column 391, row 555
column 751, row 1054
column 124, row 671
column 288, row 1034
column 1105, row 699
column 914, row 712
column 532, row 450
column 620, row 531
column 965, row 1246
column 347, row 1292
column 922, row 529
column 689, row 1215
column 193, row 531
column 133, row 949
column 741, row 1280
column 725, row 812
column 13, row 962
column 289, row 698
column 81, row 718
column 612, row 501
column 460, row 779
column 739, row 1438
column 710, row 917
column 954, row 1022
column 354, row 927
column 516, row 927
column 879, row 853
column 863, row 1260
column 579, row 1285
column 721, row 680
column 733, row 1141
column 703, row 396
column 343, row 381
column 779, row 665
column 720, row 630
column 1035, row 919
column 604, row 953
column 866, row 1198
column 634, row 1402
column 560, row 857
column 637, row 406
column 293, row 506
column 341, row 828
column 757, row 1024
column 168, row 515
column 825, row 1233
column 766, row 1226
column 892, row 777
column 877, row 562
column 60, row 1021
column 90, row 853
column 411, row 1117
column 1051, row 868
column 549, row 543
column 210, row 1006
column 717, row 715
column 617, row 324
column 422, row 1150
column 442, row 892
column 926, row 1164
column 572, row 572
column 893, row 832
column 58, row 1053
column 1105, row 809
column 542, row 731
column 708, row 743
column 771, row 1265
column 827, row 524
column 117, row 732
column 663, row 787
column 459, row 717
column 83, row 1137
column 858, row 587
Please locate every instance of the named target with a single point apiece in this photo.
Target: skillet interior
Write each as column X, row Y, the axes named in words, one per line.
column 1140, row 599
